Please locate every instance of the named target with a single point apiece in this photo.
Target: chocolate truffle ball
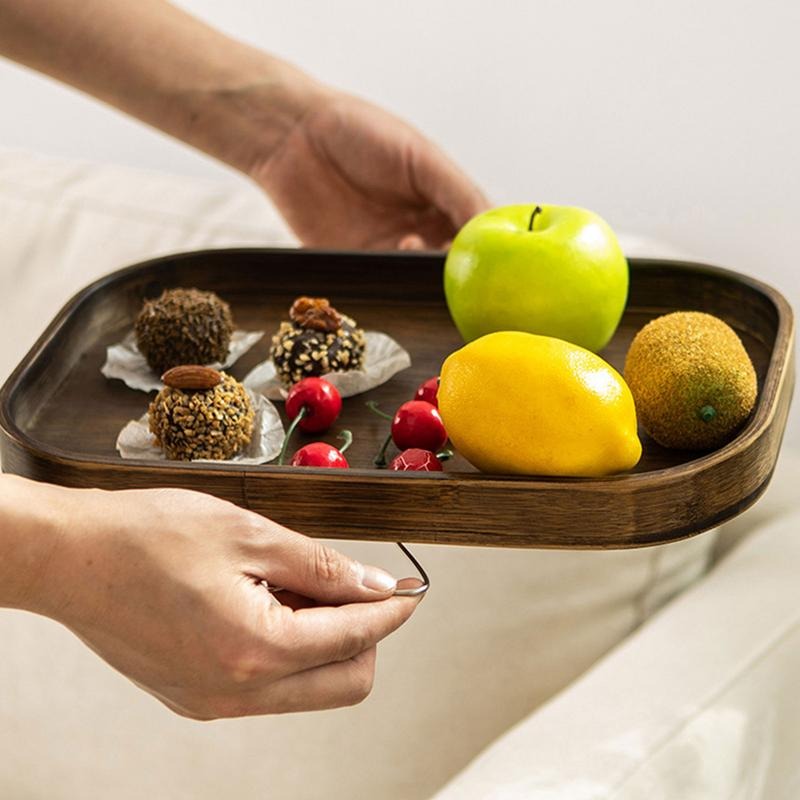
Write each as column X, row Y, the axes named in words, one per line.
column 184, row 326
column 316, row 340
column 211, row 423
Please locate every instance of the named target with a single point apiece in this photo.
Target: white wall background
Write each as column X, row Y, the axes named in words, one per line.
column 675, row 119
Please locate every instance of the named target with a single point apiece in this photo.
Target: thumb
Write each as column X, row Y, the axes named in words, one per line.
column 307, row 567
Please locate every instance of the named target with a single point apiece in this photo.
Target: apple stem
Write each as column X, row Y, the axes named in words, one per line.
column 537, row 210
column 292, row 427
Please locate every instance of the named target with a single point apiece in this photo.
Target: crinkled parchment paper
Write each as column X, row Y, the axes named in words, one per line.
column 383, row 358
column 125, row 362
column 136, row 441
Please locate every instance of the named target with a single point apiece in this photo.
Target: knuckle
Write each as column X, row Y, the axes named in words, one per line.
column 252, row 527
column 255, row 535
column 327, row 565
column 282, row 639
column 360, row 685
column 240, row 666
column 351, row 643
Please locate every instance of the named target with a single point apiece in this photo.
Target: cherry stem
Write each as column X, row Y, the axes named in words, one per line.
column 445, row 455
column 373, row 406
column 347, row 438
column 295, row 422
column 380, row 459
column 537, row 210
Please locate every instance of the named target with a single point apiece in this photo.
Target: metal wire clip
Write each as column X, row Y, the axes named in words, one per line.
column 426, row 583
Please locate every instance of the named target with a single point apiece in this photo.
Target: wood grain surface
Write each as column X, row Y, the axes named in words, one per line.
column 59, row 417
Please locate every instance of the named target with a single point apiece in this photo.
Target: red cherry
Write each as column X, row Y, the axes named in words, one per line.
column 321, row 400
column 417, row 460
column 418, row 424
column 428, row 390
column 319, row 454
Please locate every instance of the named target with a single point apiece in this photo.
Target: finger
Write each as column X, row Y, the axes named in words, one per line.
column 296, row 601
column 326, row 635
column 442, row 183
column 344, row 683
column 293, row 600
column 411, row 241
column 442, row 245
column 309, row 568
column 411, row 583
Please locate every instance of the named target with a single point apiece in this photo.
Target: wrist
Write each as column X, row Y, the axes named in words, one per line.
column 167, row 68
column 245, row 120
column 36, row 522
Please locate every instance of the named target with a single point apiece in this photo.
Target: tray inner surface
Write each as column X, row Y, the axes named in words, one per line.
column 70, row 407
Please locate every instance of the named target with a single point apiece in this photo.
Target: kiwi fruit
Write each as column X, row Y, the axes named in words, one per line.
column 691, row 379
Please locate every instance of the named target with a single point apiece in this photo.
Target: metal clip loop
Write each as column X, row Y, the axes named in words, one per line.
column 417, row 590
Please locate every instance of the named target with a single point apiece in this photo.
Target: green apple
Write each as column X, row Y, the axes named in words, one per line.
column 552, row 270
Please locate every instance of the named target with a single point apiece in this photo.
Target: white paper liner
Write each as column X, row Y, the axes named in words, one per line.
column 125, row 362
column 136, row 441
column 383, row 358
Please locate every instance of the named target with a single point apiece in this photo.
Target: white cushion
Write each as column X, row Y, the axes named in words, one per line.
column 701, row 704
column 500, row 632
column 65, row 223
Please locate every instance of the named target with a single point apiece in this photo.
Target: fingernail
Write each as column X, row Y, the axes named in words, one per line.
column 378, row 580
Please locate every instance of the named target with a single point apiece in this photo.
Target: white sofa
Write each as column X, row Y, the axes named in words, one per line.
column 690, row 701
column 701, row 703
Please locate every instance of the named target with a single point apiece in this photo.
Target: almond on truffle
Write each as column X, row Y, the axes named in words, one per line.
column 192, row 376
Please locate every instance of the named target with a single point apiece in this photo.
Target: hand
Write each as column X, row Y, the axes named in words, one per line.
column 168, row 586
column 351, row 175
column 343, row 172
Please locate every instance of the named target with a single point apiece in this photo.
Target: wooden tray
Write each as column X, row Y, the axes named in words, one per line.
column 60, row 417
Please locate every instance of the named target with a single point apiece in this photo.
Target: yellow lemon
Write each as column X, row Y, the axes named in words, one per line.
column 515, row 402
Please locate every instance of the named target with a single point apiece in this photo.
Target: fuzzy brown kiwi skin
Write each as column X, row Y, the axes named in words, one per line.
column 692, row 381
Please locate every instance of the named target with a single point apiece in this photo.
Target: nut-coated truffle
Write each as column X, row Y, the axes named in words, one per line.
column 211, row 423
column 316, row 340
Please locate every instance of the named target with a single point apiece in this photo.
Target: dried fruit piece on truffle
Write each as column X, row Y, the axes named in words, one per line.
column 212, row 423
column 315, row 313
column 184, row 326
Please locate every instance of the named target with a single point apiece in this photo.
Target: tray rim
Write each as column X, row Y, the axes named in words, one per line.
column 773, row 380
